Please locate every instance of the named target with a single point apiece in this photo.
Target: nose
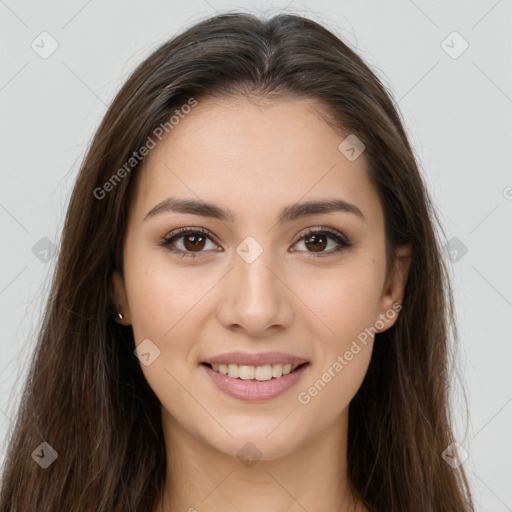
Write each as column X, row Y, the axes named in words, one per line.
column 255, row 297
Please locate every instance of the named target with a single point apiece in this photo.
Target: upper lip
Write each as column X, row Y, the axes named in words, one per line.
column 261, row 359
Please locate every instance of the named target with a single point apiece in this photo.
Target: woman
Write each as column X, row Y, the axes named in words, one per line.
column 250, row 308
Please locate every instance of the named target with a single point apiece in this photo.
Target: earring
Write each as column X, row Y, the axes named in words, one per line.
column 120, row 316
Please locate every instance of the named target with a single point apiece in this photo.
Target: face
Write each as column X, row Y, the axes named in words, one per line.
column 256, row 274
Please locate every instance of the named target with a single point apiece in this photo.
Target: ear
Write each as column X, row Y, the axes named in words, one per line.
column 393, row 289
column 120, row 299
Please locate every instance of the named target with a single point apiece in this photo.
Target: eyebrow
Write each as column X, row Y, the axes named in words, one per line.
column 287, row 214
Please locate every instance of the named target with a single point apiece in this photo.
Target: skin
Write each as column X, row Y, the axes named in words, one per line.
column 255, row 158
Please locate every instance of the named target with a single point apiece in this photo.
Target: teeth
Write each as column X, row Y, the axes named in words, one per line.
column 277, row 370
column 234, row 372
column 265, row 372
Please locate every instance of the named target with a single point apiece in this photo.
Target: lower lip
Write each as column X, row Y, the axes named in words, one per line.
column 255, row 390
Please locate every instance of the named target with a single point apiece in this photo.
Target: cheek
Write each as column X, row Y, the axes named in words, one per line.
column 162, row 304
column 345, row 299
column 344, row 351
column 332, row 387
column 161, row 298
column 167, row 307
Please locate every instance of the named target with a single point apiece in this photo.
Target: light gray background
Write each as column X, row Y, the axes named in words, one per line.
column 458, row 112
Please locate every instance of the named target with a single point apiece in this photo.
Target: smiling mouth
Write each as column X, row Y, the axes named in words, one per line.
column 259, row 373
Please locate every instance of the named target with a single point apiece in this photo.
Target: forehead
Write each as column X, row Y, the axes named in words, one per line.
column 254, row 157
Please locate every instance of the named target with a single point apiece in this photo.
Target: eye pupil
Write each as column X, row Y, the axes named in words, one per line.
column 318, row 246
column 197, row 244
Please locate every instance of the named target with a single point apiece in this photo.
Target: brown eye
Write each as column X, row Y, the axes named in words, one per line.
column 316, row 242
column 194, row 242
column 188, row 242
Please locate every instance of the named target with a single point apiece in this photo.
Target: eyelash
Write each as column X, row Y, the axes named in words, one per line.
column 343, row 242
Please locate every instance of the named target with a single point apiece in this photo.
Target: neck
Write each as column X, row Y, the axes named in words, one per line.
column 313, row 477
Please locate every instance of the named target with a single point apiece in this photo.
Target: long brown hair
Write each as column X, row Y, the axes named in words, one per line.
column 86, row 395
